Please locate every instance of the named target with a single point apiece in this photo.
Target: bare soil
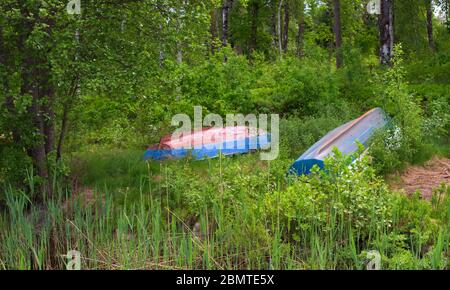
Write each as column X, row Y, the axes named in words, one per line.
column 424, row 178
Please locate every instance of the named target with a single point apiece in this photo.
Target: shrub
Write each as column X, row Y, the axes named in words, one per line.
column 14, row 164
column 436, row 122
column 298, row 134
column 344, row 197
column 402, row 140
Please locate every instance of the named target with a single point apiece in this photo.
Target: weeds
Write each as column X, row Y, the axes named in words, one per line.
column 229, row 213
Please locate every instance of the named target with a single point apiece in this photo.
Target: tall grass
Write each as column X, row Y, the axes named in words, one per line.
column 165, row 221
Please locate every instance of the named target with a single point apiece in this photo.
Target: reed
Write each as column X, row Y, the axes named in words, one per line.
column 222, row 214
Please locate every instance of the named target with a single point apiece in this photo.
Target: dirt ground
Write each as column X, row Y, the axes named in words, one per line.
column 424, row 178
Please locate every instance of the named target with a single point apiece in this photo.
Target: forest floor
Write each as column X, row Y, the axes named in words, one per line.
column 86, row 182
column 424, row 178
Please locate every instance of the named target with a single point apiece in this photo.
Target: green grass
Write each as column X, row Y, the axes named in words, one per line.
column 225, row 213
column 428, row 150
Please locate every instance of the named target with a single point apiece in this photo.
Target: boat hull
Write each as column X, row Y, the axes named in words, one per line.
column 204, row 149
column 343, row 138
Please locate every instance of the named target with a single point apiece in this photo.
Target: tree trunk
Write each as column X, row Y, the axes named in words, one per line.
column 280, row 47
column 62, row 134
column 49, row 124
column 65, row 117
column 226, row 7
column 72, row 94
column 213, row 30
column 273, row 26
column 286, row 27
column 48, row 94
column 301, row 30
column 38, row 150
column 431, row 43
column 35, row 74
column 179, row 27
column 337, row 28
column 386, row 27
column 254, row 7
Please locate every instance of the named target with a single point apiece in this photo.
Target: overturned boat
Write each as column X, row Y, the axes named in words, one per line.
column 344, row 138
column 209, row 143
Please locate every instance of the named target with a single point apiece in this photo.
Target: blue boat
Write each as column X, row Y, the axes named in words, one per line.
column 344, row 138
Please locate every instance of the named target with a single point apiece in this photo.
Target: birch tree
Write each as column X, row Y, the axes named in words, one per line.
column 386, row 29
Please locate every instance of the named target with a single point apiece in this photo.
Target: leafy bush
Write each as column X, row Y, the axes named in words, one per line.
column 14, row 164
column 437, row 120
column 402, row 140
column 297, row 134
column 346, row 193
column 241, row 208
column 294, row 87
